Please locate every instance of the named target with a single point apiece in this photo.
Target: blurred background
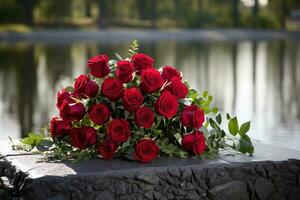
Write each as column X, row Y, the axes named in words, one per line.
column 245, row 52
column 92, row 14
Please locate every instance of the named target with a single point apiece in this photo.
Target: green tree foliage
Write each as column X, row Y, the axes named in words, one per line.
column 147, row 13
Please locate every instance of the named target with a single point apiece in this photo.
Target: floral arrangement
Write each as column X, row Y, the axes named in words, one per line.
column 127, row 108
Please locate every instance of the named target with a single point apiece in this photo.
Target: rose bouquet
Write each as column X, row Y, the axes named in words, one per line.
column 127, row 108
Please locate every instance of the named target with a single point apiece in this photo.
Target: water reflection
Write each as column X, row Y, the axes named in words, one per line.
column 257, row 80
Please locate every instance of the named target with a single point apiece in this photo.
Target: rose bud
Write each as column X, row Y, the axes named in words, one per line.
column 85, row 87
column 99, row 65
column 59, row 127
column 144, row 117
column 194, row 143
column 177, row 88
column 124, row 71
column 107, row 149
column 99, row 114
column 112, row 89
column 151, row 81
column 71, row 112
column 169, row 72
column 118, row 130
column 141, row 62
column 83, row 137
column 146, row 150
column 62, row 97
column 192, row 116
column 132, row 99
column 166, row 105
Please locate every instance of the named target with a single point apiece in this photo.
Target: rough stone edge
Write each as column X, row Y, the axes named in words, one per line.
column 114, row 184
column 12, row 180
column 216, row 181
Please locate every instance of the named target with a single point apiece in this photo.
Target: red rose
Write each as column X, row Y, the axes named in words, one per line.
column 177, row 88
column 141, row 62
column 151, row 81
column 166, row 105
column 99, row 65
column 99, row 114
column 192, row 116
column 83, row 137
column 107, row 149
column 91, row 88
column 62, row 97
column 146, row 150
column 59, row 127
column 112, row 88
column 118, row 130
column 84, row 86
column 194, row 143
column 144, row 117
column 169, row 72
column 72, row 111
column 124, row 71
column 132, row 99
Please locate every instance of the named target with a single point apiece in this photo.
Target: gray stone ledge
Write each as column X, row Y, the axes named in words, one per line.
column 228, row 177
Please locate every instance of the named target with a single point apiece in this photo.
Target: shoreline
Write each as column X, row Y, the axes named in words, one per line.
column 147, row 35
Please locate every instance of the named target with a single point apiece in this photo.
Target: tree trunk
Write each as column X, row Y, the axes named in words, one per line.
column 235, row 13
column 234, row 74
column 256, row 13
column 102, row 14
column 176, row 4
column 200, row 4
column 283, row 14
column 88, row 9
column 28, row 7
column 254, row 68
column 153, row 14
column 141, row 5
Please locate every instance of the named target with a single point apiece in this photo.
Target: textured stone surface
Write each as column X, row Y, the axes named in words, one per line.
column 207, row 181
column 23, row 177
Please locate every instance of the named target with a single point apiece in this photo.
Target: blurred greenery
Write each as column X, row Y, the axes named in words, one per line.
column 149, row 13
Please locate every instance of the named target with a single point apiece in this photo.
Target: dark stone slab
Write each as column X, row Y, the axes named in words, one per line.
column 228, row 177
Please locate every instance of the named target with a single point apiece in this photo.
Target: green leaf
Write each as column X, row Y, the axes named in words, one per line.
column 233, row 126
column 205, row 93
column 244, row 128
column 157, row 133
column 193, row 94
column 187, row 84
column 46, row 143
column 213, row 124
column 219, row 118
column 245, row 145
column 215, row 110
column 69, row 89
column 33, row 139
column 182, row 154
column 228, row 116
column 130, row 154
column 134, row 47
column 205, row 109
column 168, row 149
column 178, row 137
column 210, row 98
column 206, row 123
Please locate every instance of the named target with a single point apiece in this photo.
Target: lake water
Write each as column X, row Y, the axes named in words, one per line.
column 257, row 80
